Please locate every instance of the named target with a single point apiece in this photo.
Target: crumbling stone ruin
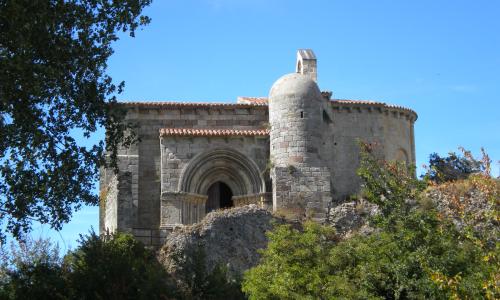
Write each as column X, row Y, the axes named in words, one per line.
column 294, row 152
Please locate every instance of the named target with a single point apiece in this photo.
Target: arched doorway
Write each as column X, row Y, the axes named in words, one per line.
column 219, row 196
column 229, row 166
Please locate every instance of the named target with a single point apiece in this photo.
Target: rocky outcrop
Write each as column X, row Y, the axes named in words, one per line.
column 352, row 217
column 229, row 237
column 472, row 203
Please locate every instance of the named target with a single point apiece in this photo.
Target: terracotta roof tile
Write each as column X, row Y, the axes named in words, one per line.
column 350, row 101
column 172, row 104
column 250, row 102
column 212, row 132
column 369, row 102
column 253, row 100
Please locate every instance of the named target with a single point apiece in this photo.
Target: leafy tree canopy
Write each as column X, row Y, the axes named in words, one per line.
column 31, row 269
column 456, row 166
column 53, row 83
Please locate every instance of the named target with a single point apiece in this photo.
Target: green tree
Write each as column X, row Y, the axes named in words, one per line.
column 117, row 267
column 113, row 267
column 455, row 166
column 32, row 269
column 53, row 83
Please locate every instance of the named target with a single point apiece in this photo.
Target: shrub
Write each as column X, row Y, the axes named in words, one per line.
column 293, row 264
column 195, row 281
column 117, row 267
column 113, row 267
column 416, row 253
column 31, row 269
column 392, row 186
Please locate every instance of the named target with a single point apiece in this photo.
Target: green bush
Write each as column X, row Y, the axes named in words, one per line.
column 414, row 252
column 119, row 267
column 116, row 267
column 293, row 265
column 312, row 264
column 195, row 281
column 112, row 267
column 37, row 281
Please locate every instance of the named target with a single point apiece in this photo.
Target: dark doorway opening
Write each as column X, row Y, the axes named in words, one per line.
column 219, row 196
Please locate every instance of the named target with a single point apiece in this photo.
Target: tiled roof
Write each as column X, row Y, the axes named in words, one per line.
column 253, row 100
column 368, row 102
column 171, row 104
column 250, row 102
column 264, row 101
column 349, row 101
column 212, row 132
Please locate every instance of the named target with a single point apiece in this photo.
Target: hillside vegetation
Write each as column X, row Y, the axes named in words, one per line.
column 431, row 238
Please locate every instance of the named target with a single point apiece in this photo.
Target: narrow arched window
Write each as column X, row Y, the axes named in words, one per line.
column 326, row 118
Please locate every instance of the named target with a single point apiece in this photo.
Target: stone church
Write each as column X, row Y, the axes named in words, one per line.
column 295, row 150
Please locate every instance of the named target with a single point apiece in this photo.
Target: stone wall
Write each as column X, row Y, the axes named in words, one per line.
column 109, row 206
column 136, row 203
column 120, row 193
column 190, row 165
column 390, row 128
column 151, row 118
column 177, row 153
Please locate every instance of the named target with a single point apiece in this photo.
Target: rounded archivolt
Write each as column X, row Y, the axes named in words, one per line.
column 225, row 165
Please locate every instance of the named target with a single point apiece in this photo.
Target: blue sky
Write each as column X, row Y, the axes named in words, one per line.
column 440, row 58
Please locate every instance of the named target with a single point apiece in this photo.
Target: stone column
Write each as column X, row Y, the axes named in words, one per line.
column 181, row 208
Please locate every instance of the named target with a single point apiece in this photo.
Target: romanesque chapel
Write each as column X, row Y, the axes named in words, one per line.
column 296, row 149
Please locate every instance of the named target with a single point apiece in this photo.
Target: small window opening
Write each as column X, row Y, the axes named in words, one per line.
column 301, row 114
column 326, row 118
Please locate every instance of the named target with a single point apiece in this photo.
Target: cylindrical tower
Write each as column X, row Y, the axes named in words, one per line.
column 301, row 181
